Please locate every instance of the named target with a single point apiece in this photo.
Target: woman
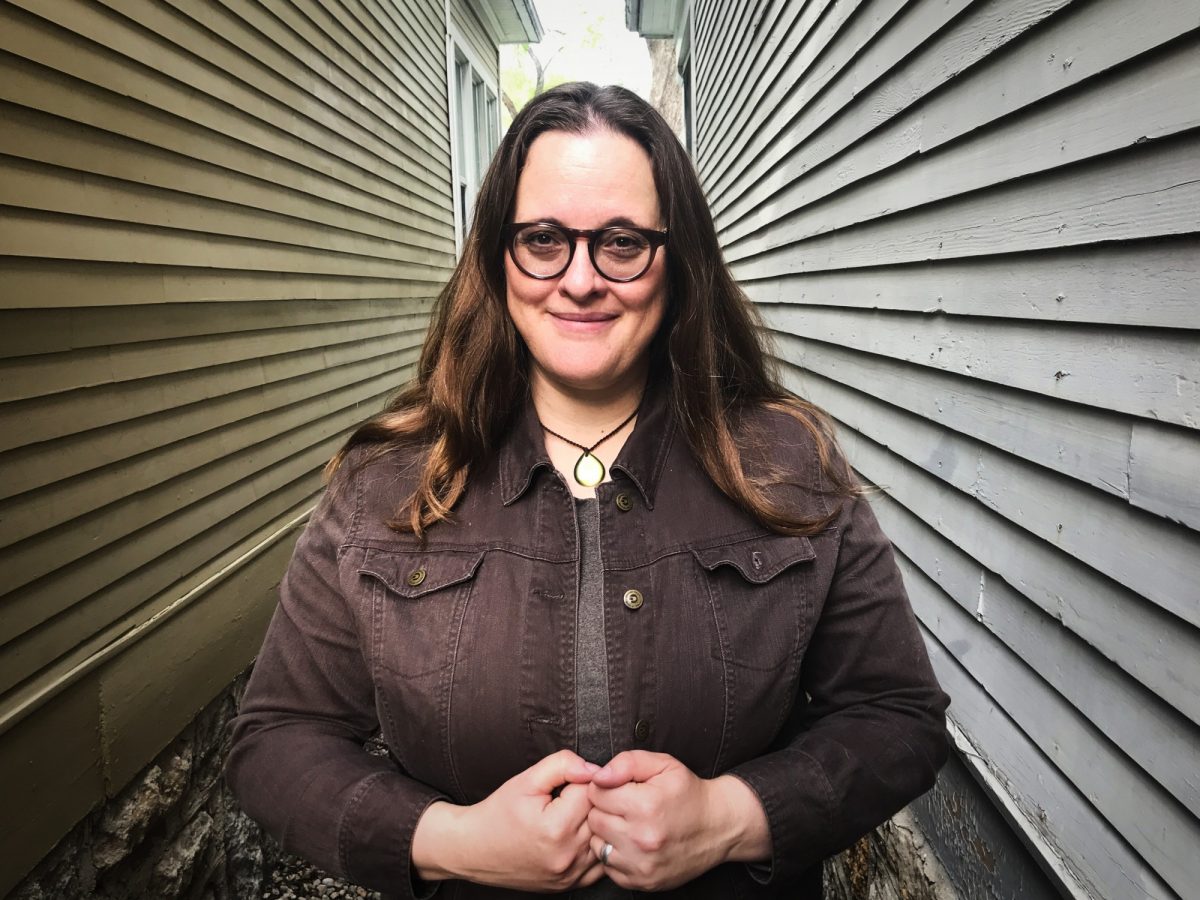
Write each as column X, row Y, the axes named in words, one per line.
column 607, row 590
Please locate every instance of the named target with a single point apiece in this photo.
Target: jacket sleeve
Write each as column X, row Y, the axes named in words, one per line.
column 297, row 763
column 872, row 735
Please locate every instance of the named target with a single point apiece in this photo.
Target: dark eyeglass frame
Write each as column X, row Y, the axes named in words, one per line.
column 656, row 239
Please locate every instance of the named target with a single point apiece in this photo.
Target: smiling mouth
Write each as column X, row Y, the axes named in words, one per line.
column 584, row 316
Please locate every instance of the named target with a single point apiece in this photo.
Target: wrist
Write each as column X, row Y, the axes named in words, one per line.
column 743, row 832
column 436, row 842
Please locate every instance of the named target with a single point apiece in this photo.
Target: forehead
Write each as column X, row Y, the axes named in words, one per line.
column 587, row 181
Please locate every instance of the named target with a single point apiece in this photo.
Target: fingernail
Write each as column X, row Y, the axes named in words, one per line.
column 604, row 771
column 591, row 767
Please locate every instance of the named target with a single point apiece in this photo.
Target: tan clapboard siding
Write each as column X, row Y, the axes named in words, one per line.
column 222, row 229
column 176, row 78
column 970, row 228
column 473, row 31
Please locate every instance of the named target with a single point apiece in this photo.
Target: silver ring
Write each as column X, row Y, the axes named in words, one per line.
column 605, row 853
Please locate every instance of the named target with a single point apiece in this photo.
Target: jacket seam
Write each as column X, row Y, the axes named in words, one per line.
column 343, row 826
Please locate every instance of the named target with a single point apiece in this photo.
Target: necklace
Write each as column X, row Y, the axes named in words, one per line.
column 589, row 471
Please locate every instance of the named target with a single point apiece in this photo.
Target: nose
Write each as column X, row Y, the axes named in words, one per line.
column 581, row 281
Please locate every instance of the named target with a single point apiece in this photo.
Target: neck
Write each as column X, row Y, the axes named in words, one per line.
column 584, row 415
column 585, row 418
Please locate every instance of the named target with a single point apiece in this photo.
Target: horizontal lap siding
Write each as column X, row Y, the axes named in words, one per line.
column 223, row 228
column 464, row 20
column 970, row 230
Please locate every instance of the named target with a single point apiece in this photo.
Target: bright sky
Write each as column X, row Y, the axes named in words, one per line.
column 618, row 57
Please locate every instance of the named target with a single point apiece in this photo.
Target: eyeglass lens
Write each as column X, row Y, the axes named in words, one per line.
column 545, row 251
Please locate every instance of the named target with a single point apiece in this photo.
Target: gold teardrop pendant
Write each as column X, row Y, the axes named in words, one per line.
column 589, row 471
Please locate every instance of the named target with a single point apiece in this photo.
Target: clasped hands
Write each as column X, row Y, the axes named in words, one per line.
column 544, row 828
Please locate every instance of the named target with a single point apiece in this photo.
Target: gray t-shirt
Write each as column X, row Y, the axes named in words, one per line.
column 594, row 736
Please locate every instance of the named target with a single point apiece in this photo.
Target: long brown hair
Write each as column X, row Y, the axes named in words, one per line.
column 472, row 377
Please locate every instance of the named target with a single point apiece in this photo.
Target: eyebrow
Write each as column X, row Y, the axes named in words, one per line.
column 612, row 222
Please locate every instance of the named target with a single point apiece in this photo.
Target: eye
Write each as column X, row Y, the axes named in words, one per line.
column 623, row 243
column 541, row 239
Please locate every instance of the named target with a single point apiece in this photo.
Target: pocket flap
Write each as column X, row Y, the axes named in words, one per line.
column 415, row 573
column 758, row 559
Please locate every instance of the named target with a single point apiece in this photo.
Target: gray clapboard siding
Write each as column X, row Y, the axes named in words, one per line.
column 1147, row 102
column 1159, row 740
column 1093, row 858
column 1103, row 200
column 1158, row 372
column 870, row 49
column 807, row 40
column 1164, row 463
column 741, row 23
column 1074, row 440
column 1139, row 550
column 1158, row 828
column 1149, row 643
column 970, row 229
column 1150, row 284
column 1025, row 74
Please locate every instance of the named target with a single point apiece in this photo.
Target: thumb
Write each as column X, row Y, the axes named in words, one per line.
column 632, row 765
column 556, row 770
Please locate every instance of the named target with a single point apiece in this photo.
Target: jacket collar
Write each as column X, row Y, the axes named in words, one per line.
column 642, row 458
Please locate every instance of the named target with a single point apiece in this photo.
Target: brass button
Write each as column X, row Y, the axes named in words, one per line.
column 624, row 502
column 641, row 730
column 415, row 578
column 634, row 599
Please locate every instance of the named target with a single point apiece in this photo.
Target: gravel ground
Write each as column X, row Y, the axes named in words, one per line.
column 295, row 879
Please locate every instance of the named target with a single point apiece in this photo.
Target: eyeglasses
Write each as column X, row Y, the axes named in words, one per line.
column 542, row 250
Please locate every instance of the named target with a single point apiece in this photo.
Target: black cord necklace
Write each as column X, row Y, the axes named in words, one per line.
column 589, row 471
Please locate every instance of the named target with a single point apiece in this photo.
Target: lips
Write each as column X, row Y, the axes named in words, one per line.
column 584, row 316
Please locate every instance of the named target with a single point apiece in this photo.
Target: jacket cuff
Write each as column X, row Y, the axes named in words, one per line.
column 376, row 833
column 798, row 802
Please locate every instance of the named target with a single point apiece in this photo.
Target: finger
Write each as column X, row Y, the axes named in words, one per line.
column 632, row 800
column 631, row 765
column 572, row 805
column 593, row 874
column 597, row 847
column 607, row 828
column 557, row 769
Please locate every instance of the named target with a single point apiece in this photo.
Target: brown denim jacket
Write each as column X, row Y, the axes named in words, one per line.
column 794, row 663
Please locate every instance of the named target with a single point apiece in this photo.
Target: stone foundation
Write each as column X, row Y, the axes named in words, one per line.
column 893, row 862
column 174, row 832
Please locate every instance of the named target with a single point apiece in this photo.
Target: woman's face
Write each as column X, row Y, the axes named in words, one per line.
column 583, row 332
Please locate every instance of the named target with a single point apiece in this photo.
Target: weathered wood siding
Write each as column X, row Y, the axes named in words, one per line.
column 223, row 226
column 972, row 229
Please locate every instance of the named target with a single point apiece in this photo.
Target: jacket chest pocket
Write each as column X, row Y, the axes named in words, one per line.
column 417, row 605
column 758, row 593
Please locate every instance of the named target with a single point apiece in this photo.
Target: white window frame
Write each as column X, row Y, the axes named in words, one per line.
column 467, row 165
column 686, row 67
